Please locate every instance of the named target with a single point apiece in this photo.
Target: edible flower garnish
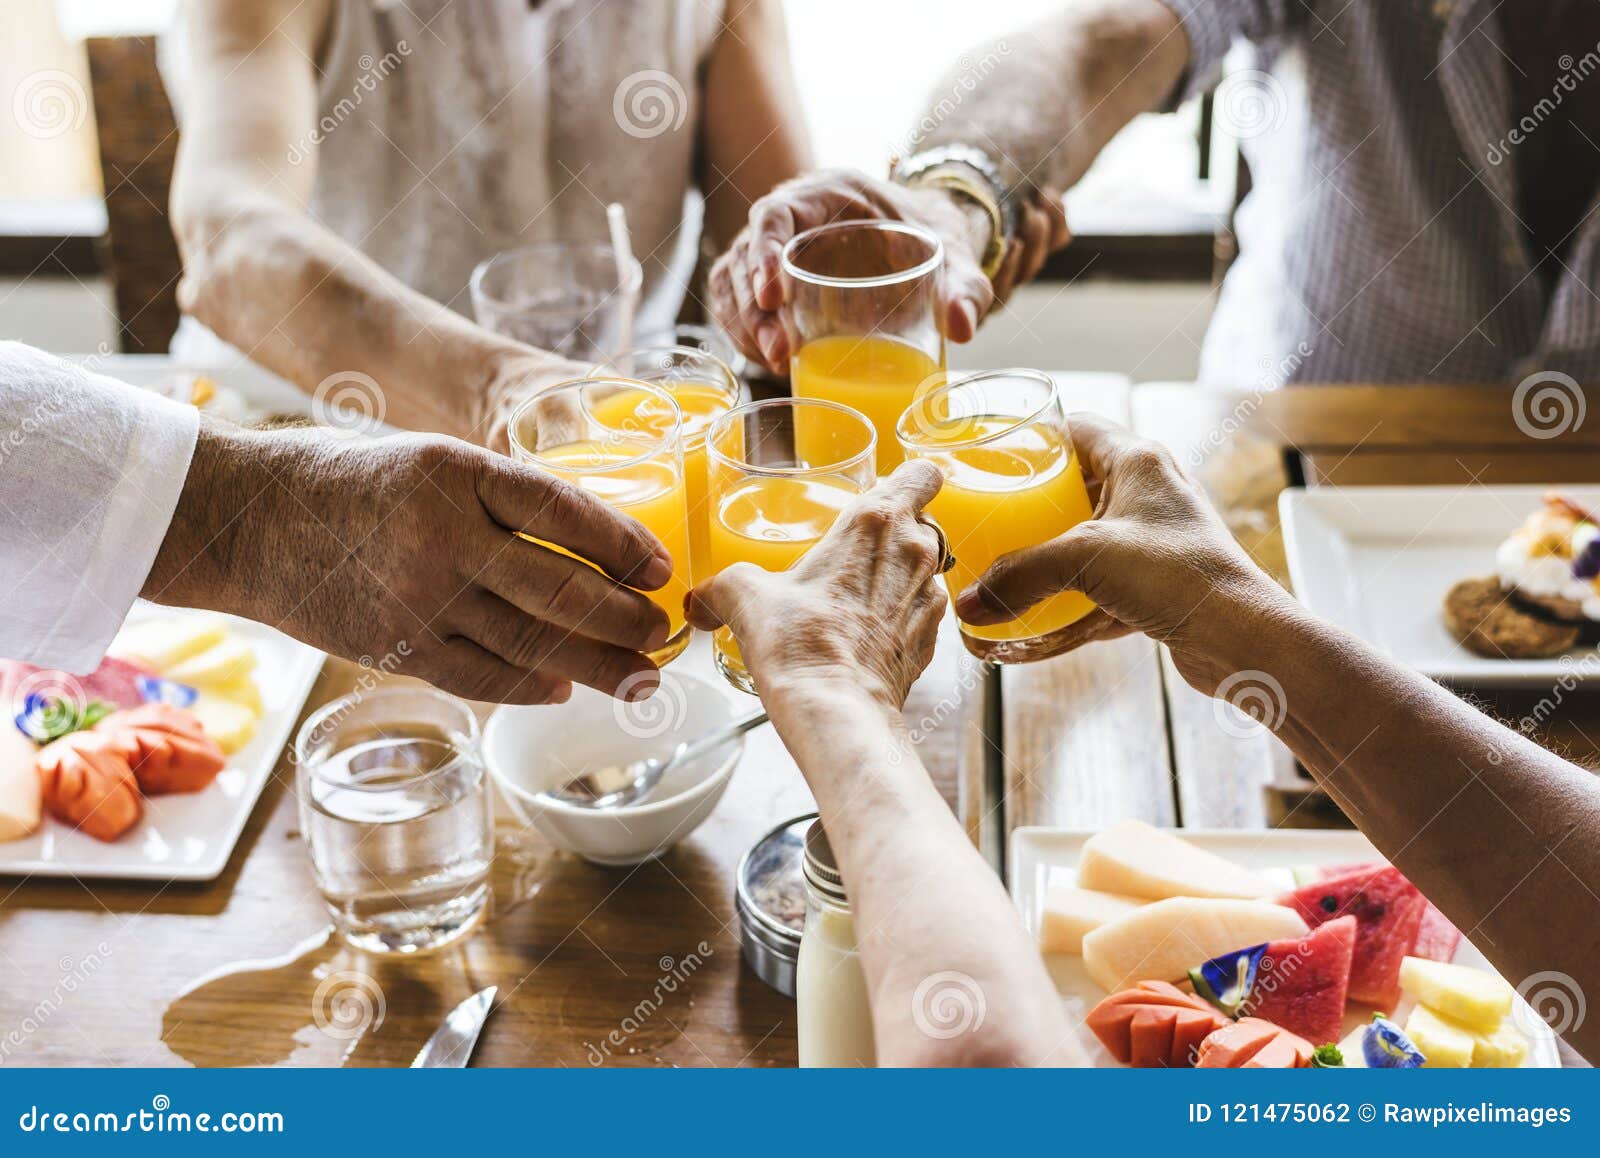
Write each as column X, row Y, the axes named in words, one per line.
column 1386, row 1046
column 44, row 718
column 1226, row 981
column 1327, row 1057
column 1586, row 553
column 160, row 691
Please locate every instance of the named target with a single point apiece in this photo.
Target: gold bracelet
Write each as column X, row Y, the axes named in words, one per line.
column 955, row 180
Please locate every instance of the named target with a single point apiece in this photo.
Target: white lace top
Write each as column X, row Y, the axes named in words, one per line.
column 449, row 131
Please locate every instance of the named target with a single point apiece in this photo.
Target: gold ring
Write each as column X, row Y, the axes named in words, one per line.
column 947, row 558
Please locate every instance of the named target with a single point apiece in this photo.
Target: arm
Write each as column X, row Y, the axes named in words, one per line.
column 1501, row 834
column 272, row 281
column 399, row 546
column 835, row 644
column 753, row 133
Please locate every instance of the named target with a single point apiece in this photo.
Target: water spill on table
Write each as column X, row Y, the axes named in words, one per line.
column 321, row 1003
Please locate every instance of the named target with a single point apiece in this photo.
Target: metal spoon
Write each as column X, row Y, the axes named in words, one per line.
column 622, row 784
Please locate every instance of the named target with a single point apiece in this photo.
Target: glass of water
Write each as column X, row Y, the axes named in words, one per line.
column 568, row 298
column 395, row 810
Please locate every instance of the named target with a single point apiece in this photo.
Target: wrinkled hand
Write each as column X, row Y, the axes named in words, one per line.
column 746, row 284
column 861, row 609
column 1155, row 559
column 511, row 382
column 404, row 545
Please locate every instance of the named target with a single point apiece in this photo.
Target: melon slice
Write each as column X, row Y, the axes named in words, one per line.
column 1069, row 913
column 1134, row 859
column 1254, row 1044
column 1388, row 911
column 21, row 801
column 161, row 643
column 1301, row 984
column 1438, row 937
column 1445, row 1044
column 1476, row 999
column 227, row 662
column 1153, row 1024
column 1159, row 941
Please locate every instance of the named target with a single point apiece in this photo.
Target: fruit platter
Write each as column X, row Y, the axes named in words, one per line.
column 148, row 767
column 1252, row 950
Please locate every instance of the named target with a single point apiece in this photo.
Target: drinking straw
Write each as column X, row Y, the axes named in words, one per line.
column 622, row 250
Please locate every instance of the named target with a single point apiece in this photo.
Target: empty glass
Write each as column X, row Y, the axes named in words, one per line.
column 570, row 299
column 396, row 815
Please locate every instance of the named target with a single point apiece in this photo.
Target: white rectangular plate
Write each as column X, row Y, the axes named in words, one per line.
column 190, row 836
column 1377, row 561
column 1043, row 856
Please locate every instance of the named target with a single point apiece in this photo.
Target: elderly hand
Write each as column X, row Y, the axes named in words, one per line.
column 514, row 379
column 1155, row 559
column 746, row 285
column 861, row 609
column 406, row 546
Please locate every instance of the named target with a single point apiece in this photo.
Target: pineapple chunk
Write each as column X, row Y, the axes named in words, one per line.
column 230, row 724
column 1479, row 1000
column 161, row 643
column 242, row 691
column 1503, row 1049
column 1445, row 1044
column 227, row 662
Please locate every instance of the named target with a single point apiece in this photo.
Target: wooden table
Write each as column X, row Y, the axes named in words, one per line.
column 242, row 971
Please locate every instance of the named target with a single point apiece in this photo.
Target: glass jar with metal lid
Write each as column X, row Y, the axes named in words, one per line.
column 835, row 1015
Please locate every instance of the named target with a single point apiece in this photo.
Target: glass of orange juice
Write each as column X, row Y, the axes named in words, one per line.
column 781, row 470
column 636, row 465
column 1011, row 480
column 705, row 389
column 861, row 320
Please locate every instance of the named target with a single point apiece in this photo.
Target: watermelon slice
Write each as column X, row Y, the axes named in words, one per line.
column 1301, row 984
column 1388, row 910
column 1438, row 937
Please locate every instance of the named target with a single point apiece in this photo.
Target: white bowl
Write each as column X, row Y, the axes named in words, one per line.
column 529, row 750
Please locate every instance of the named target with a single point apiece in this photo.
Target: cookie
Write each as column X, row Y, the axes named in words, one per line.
column 1489, row 623
column 1554, row 606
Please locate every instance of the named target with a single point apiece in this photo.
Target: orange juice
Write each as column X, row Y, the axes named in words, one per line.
column 652, row 492
column 701, row 403
column 770, row 521
column 877, row 376
column 1022, row 490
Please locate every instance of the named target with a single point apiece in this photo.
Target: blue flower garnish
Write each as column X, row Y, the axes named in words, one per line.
column 160, row 691
column 1226, row 981
column 44, row 718
column 1586, row 564
column 1386, row 1046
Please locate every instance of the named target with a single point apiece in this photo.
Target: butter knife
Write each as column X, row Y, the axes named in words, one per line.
column 451, row 1046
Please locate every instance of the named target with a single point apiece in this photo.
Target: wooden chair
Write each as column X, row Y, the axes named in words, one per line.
column 138, row 148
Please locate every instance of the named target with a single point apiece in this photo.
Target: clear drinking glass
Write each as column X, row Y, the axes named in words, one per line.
column 569, row 298
column 1011, row 480
column 780, row 472
column 861, row 320
column 705, row 389
column 621, row 441
column 396, row 816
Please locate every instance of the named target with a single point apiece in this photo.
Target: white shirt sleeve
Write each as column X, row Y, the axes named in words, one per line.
column 90, row 473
